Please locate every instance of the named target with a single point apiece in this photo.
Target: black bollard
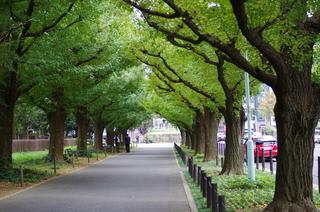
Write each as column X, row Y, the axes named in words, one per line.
column 194, row 174
column 318, row 174
column 263, row 160
column 204, row 191
column 271, row 161
column 257, row 158
column 209, row 199
column 201, row 180
column 72, row 160
column 214, row 195
column 21, row 176
column 222, row 207
column 199, row 175
column 54, row 164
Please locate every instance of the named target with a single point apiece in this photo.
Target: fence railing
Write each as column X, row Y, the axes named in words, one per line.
column 209, row 189
column 181, row 153
column 23, row 145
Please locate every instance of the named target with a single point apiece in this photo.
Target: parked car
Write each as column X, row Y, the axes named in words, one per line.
column 265, row 143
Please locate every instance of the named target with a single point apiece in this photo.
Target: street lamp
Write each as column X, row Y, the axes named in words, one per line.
column 250, row 159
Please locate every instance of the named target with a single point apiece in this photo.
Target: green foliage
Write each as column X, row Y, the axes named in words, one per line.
column 29, row 118
column 30, row 175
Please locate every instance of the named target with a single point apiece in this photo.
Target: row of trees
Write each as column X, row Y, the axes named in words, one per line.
column 68, row 57
column 281, row 39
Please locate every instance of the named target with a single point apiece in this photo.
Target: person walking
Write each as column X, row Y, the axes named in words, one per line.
column 117, row 143
column 127, row 142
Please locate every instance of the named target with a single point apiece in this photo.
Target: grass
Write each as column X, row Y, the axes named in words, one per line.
column 240, row 193
column 37, row 168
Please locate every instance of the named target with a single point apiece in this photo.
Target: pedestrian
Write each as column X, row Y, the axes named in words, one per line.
column 127, row 142
column 117, row 143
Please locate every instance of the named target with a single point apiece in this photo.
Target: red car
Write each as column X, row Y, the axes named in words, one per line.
column 266, row 143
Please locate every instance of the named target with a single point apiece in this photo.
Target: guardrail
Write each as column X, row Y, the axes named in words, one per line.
column 181, row 153
column 209, row 190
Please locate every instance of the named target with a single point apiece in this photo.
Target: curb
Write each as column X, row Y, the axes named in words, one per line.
column 192, row 204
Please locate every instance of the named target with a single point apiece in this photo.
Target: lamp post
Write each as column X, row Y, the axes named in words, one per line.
column 250, row 160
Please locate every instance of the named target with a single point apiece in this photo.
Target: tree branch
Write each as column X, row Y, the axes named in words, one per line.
column 255, row 38
column 234, row 54
column 151, row 12
column 52, row 25
column 86, row 60
column 180, row 79
column 172, row 89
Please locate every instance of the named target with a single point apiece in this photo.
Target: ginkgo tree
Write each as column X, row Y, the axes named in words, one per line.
column 280, row 38
column 23, row 24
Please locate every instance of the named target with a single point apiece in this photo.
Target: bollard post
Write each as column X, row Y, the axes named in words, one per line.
column 222, row 161
column 194, row 174
column 21, row 176
column 222, row 207
column 88, row 157
column 201, row 180
column 217, row 160
column 318, row 174
column 214, row 195
column 257, row 158
column 263, row 160
column 209, row 199
column 54, row 164
column 72, row 160
column 189, row 161
column 199, row 175
column 204, row 191
column 271, row 161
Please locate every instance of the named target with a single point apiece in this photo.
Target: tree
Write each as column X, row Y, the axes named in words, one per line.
column 266, row 107
column 23, row 23
column 281, row 36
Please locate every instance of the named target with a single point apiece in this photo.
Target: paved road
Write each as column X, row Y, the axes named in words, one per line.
column 146, row 180
column 315, row 165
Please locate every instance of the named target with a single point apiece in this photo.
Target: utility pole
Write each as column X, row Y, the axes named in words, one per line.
column 250, row 155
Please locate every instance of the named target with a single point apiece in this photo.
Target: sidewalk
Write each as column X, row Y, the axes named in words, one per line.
column 146, row 179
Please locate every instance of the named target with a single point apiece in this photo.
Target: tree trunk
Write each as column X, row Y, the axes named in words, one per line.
column 183, row 136
column 98, row 134
column 194, row 139
column 211, row 130
column 188, row 138
column 202, row 133
column 8, row 99
column 82, row 120
column 110, row 137
column 233, row 161
column 199, row 136
column 296, row 112
column 6, row 127
column 56, row 129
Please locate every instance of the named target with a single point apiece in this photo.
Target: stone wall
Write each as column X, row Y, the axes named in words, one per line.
column 163, row 137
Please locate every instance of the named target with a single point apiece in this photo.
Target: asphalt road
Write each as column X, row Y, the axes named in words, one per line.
column 146, row 180
column 315, row 165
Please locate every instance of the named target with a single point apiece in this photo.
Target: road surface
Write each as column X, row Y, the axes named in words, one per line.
column 146, row 179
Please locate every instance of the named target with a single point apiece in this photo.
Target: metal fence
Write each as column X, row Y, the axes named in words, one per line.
column 209, row 190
